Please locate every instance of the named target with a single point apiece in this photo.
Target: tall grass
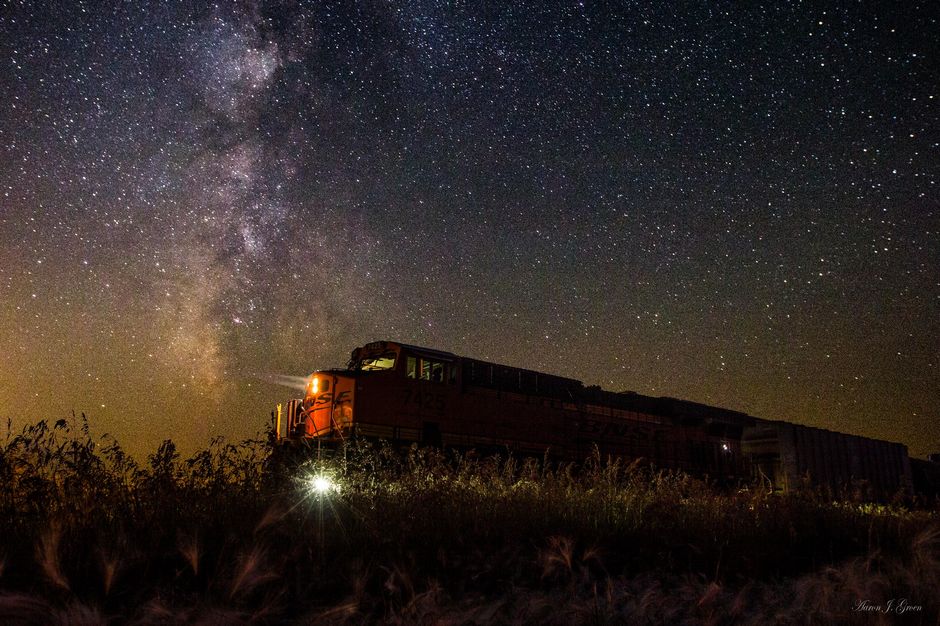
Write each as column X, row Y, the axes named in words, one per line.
column 236, row 535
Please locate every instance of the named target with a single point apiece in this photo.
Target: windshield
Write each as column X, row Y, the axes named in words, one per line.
column 384, row 361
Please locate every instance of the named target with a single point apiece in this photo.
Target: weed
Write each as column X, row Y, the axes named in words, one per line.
column 234, row 534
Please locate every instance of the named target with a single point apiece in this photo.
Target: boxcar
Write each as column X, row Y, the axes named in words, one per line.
column 788, row 455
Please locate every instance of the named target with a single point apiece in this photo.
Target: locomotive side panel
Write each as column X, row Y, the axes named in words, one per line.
column 391, row 406
column 497, row 419
column 477, row 404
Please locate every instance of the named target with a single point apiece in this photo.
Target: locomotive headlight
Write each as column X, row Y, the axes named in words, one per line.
column 314, row 385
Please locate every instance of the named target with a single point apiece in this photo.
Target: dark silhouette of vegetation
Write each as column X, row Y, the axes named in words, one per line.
column 235, row 535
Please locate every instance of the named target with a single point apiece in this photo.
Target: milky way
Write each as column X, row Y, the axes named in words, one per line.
column 734, row 204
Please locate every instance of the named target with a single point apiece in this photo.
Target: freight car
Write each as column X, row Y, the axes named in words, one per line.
column 788, row 455
column 406, row 393
column 926, row 478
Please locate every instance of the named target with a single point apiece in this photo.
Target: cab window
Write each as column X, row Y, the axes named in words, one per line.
column 426, row 369
column 378, row 362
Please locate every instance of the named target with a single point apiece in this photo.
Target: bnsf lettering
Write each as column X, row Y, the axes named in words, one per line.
column 613, row 429
column 425, row 401
column 327, row 397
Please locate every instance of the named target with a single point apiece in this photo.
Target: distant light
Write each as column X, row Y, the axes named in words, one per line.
column 725, row 447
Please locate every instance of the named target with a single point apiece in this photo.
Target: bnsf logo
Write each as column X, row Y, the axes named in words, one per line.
column 326, row 398
column 613, row 429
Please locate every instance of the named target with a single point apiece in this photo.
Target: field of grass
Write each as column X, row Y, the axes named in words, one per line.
column 88, row 535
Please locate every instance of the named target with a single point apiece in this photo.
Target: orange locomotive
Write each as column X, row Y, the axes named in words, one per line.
column 405, row 393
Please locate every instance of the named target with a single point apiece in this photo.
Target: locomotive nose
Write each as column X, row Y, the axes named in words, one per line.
column 318, row 404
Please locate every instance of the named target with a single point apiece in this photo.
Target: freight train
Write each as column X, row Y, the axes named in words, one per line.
column 406, row 393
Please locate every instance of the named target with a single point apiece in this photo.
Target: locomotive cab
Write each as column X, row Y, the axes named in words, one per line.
column 327, row 408
column 376, row 357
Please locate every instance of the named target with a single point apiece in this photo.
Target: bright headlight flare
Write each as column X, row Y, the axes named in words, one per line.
column 314, row 385
column 317, row 482
column 321, row 484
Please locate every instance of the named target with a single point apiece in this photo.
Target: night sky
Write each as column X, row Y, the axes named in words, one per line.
column 733, row 203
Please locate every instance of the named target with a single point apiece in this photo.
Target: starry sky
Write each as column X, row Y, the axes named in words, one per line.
column 733, row 203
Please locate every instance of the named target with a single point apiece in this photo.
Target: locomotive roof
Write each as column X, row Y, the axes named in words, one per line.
column 381, row 345
column 573, row 389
